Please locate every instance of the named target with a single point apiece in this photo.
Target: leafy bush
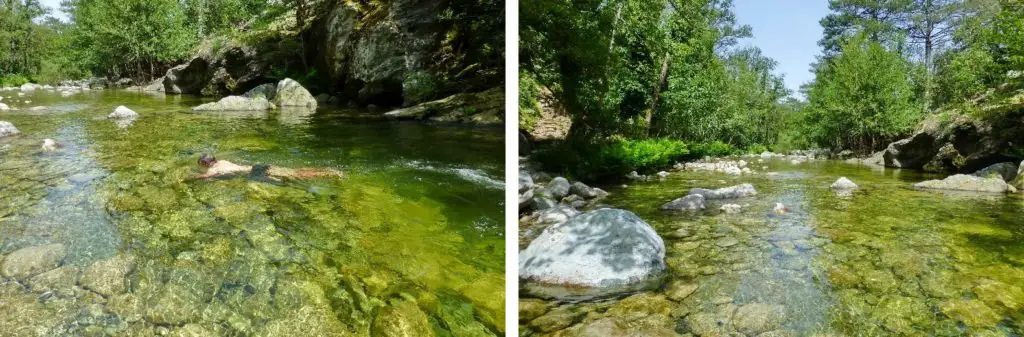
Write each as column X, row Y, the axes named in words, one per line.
column 529, row 104
column 611, row 160
column 419, row 87
column 713, row 149
column 756, row 149
column 12, row 80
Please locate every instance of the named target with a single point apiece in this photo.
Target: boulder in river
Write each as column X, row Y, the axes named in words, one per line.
column 49, row 145
column 731, row 208
column 31, row 261
column 292, row 94
column 237, row 103
column 1006, row 171
column 1019, row 181
column 756, row 318
column 558, row 188
column 107, row 277
column 605, row 247
column 8, row 129
column 963, row 182
column 267, row 91
column 485, row 108
column 844, row 184
column 692, row 202
column 4, row 107
column 732, row 192
column 911, row 152
column 525, row 199
column 582, row 190
column 122, row 112
column 404, row 319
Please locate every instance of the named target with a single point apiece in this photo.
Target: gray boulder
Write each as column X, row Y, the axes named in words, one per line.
column 1007, row 171
column 913, row 152
column 291, row 94
column 122, row 112
column 541, row 202
column 556, row 215
column 525, row 181
column 732, row 192
column 237, row 103
column 582, row 190
column 1019, row 181
column 558, row 188
column 31, row 261
column 692, row 202
column 266, row 91
column 844, row 184
column 107, row 277
column 731, row 208
column 525, row 199
column 606, row 247
column 8, row 129
column 963, row 182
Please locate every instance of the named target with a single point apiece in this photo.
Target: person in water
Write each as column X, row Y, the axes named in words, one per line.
column 220, row 168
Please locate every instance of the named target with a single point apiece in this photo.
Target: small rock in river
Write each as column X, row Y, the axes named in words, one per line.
column 756, row 318
column 31, row 261
column 122, row 112
column 8, row 129
column 107, row 277
column 779, row 209
column 692, row 202
column 731, row 208
column 843, row 184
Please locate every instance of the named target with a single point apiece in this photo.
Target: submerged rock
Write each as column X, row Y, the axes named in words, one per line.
column 962, row 182
column 732, row 192
column 402, row 320
column 756, row 318
column 731, row 208
column 49, row 145
column 107, row 277
column 692, row 202
column 237, row 103
column 291, row 94
column 8, row 129
column 31, row 261
column 606, row 247
column 1006, row 171
column 843, row 184
column 122, row 112
column 779, row 209
column 484, row 107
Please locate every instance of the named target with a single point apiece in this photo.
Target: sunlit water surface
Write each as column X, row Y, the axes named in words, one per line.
column 410, row 239
column 886, row 260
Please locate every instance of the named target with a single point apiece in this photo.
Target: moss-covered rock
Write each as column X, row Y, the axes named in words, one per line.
column 108, row 277
column 403, row 319
column 486, row 107
column 31, row 261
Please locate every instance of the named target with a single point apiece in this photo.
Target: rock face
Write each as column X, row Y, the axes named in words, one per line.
column 1007, row 171
column 222, row 67
column 28, row 262
column 486, row 107
column 732, row 192
column 107, row 277
column 606, row 247
column 912, row 152
column 962, row 145
column 692, row 202
column 290, row 93
column 844, row 184
column 963, row 182
column 237, row 103
column 122, row 112
column 8, row 129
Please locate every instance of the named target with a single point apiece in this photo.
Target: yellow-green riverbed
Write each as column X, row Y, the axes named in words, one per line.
column 887, row 260
column 409, row 241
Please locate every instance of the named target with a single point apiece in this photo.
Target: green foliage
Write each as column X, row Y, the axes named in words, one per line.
column 861, row 99
column 529, row 101
column 712, row 149
column 420, row 87
column 612, row 160
column 12, row 80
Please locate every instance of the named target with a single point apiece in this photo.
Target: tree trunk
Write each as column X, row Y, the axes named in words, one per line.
column 657, row 89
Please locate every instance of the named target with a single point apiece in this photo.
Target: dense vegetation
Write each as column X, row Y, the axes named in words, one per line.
column 668, row 72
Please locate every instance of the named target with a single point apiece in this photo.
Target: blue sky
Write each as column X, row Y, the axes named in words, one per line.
column 787, row 31
column 55, row 8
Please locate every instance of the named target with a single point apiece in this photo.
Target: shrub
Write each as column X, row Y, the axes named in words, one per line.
column 611, row 160
column 12, row 80
column 419, row 87
column 713, row 149
column 529, row 101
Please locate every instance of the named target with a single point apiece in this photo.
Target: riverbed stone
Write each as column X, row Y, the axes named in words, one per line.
column 844, row 184
column 703, row 324
column 556, row 215
column 122, row 112
column 732, row 192
column 679, row 290
column 108, row 277
column 291, row 94
column 404, row 319
column 731, row 208
column 4, row 107
column 756, row 318
column 995, row 293
column 265, row 91
column 557, row 319
column 8, row 129
column 237, row 103
column 60, row 280
column 27, row 262
column 1006, row 171
column 531, row 308
column 692, row 202
column 582, row 190
column 558, row 188
column 972, row 312
column 525, row 199
column 963, row 182
column 605, row 247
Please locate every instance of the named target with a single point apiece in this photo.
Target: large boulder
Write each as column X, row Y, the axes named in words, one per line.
column 732, row 192
column 912, row 152
column 122, row 112
column 8, row 129
column 266, row 91
column 963, row 182
column 31, row 261
column 692, row 202
column 222, row 67
column 486, row 107
column 237, row 103
column 1007, row 171
column 601, row 248
column 188, row 78
column 558, row 188
column 290, row 93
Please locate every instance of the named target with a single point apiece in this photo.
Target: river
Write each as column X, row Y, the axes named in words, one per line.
column 411, row 238
column 886, row 260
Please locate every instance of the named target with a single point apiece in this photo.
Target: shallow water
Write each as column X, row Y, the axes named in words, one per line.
column 411, row 238
column 886, row 260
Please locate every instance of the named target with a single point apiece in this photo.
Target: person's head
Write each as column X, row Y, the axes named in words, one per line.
column 207, row 160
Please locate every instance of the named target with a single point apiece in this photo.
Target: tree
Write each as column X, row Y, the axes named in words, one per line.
column 879, row 20
column 931, row 24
